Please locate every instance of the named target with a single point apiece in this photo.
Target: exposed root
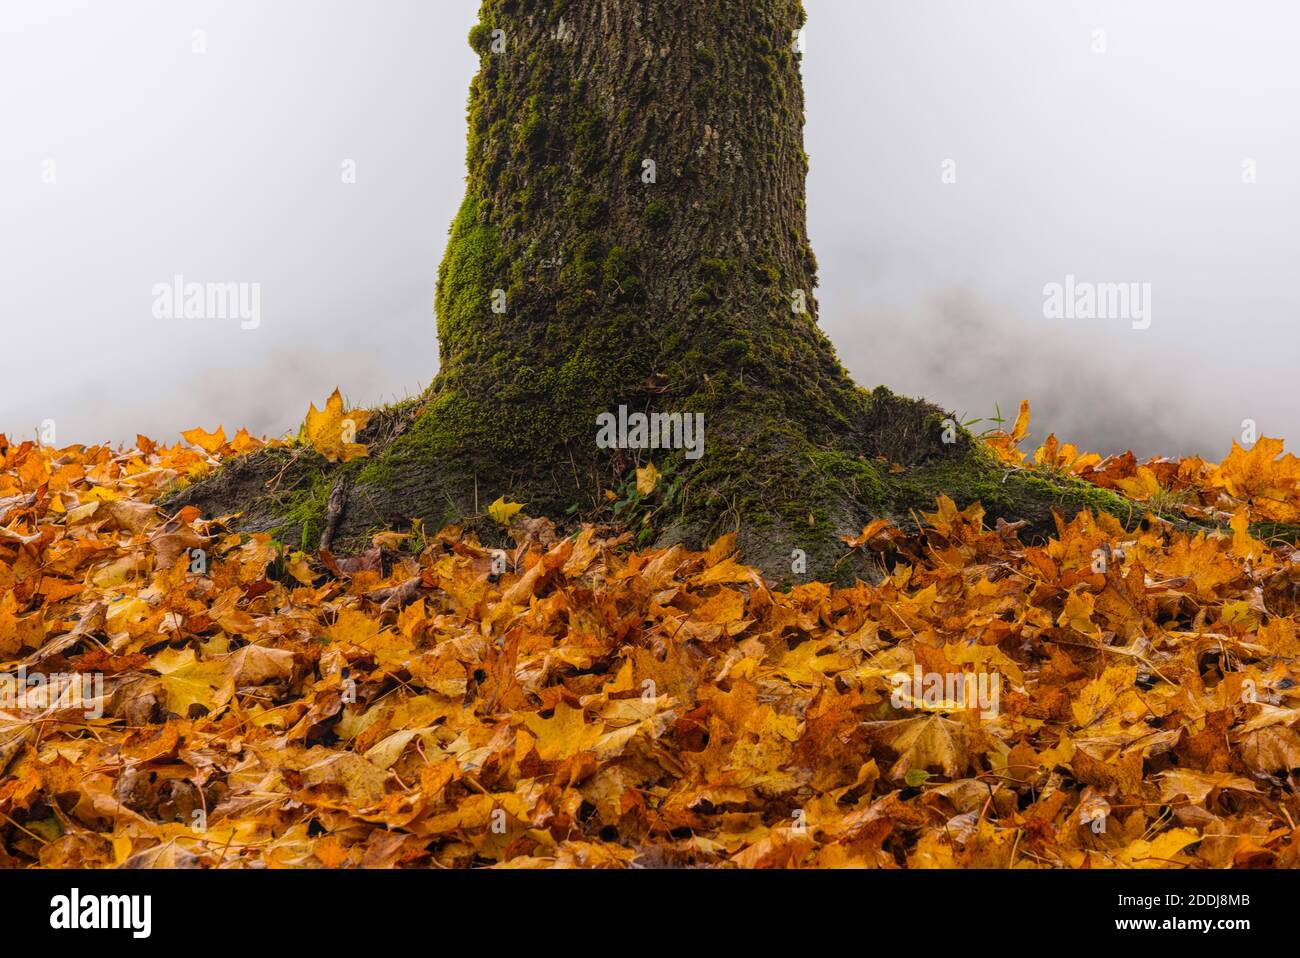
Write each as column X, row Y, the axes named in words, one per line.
column 337, row 504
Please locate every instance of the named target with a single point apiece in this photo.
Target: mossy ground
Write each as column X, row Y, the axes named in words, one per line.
column 787, row 494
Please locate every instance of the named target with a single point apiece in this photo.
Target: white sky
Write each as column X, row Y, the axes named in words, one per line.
column 1122, row 166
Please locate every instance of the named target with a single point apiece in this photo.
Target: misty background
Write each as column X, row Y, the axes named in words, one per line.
column 1106, row 140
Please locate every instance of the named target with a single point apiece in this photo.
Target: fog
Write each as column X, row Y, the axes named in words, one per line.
column 964, row 155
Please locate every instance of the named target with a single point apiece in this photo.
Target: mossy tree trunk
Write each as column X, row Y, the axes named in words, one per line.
column 633, row 234
column 636, row 206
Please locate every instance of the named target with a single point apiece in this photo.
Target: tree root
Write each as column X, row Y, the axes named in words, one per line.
column 334, row 511
column 789, row 501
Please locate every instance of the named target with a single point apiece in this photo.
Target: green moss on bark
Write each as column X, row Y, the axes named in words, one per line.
column 690, row 292
column 470, row 271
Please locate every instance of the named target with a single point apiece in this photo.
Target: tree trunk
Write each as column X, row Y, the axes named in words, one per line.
column 633, row 235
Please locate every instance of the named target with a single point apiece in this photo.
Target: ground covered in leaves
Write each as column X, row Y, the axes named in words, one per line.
column 569, row 702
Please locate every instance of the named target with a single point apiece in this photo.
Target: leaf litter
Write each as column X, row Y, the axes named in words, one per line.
column 244, row 705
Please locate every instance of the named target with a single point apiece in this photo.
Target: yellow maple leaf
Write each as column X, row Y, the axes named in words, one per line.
column 1101, row 693
column 502, row 512
column 353, row 627
column 1195, row 785
column 209, row 442
column 1049, row 453
column 1243, row 543
column 389, row 539
column 243, row 442
column 647, row 479
column 17, row 632
column 1054, row 454
column 1004, row 444
column 1163, row 851
column 926, row 742
column 1078, row 613
column 1239, row 612
column 1141, row 487
column 869, row 532
column 946, row 513
column 1021, row 427
column 296, row 565
column 332, row 432
column 562, row 735
column 207, row 683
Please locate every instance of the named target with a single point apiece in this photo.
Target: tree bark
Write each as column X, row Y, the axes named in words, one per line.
column 633, row 234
